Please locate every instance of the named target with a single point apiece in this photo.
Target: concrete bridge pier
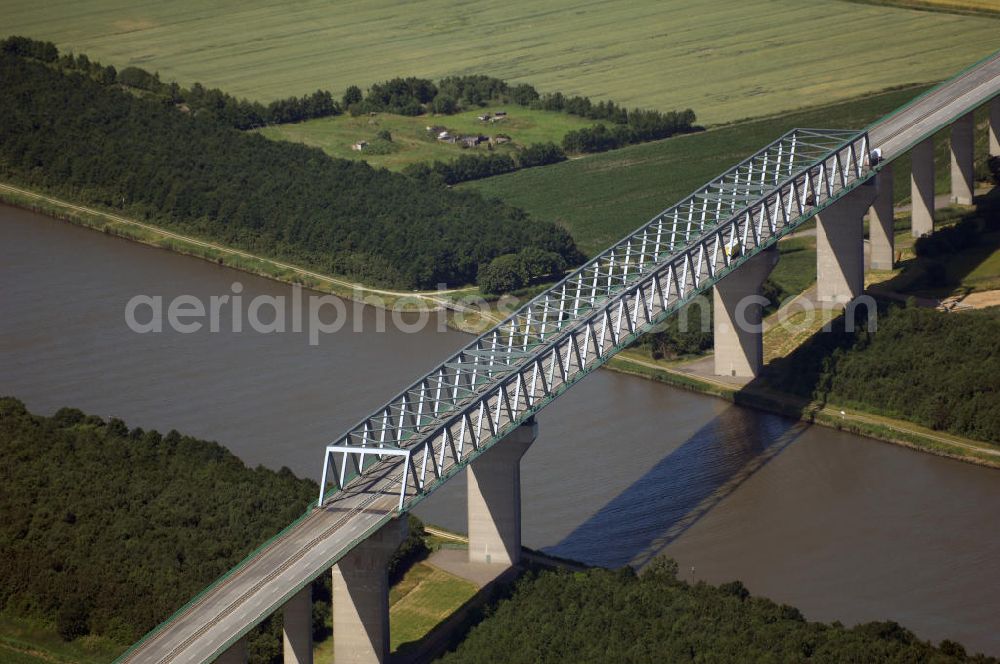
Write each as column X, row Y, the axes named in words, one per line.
column 840, row 248
column 881, row 236
column 962, row 151
column 236, row 654
column 494, row 499
column 922, row 188
column 736, row 310
column 361, row 598
column 297, row 630
column 995, row 127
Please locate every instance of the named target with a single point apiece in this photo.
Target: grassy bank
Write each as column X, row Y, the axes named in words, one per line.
column 131, row 229
column 727, row 59
column 831, row 415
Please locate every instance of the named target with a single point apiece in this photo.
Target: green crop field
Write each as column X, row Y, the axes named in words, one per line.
column 726, row 59
column 412, row 141
column 600, row 198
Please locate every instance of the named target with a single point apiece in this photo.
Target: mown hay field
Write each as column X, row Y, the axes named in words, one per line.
column 727, row 59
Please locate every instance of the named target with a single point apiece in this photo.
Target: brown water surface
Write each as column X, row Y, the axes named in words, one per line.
column 843, row 527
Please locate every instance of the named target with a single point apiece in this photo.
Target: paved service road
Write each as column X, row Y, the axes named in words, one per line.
column 308, row 549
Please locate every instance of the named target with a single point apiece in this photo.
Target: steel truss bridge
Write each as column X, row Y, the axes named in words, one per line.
column 445, row 419
column 393, row 458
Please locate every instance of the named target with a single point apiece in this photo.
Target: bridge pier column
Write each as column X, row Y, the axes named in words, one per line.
column 995, row 127
column 962, row 150
column 297, row 637
column 840, row 247
column 236, row 654
column 922, row 188
column 361, row 598
column 736, row 309
column 494, row 499
column 881, row 236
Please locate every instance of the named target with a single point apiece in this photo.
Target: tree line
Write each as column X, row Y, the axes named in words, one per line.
column 603, row 615
column 639, row 127
column 100, row 145
column 239, row 113
column 475, row 167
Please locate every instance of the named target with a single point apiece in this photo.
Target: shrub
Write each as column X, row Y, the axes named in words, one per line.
column 501, row 275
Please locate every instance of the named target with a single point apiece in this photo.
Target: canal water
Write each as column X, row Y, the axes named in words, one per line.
column 623, row 470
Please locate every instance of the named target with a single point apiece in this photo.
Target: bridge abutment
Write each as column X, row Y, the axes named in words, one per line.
column 840, row 247
column 236, row 654
column 881, row 236
column 962, row 151
column 994, row 129
column 361, row 598
column 494, row 499
column 297, row 630
column 737, row 306
column 922, row 188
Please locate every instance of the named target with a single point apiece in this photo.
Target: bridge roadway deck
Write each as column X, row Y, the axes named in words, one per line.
column 275, row 573
column 899, row 132
column 308, row 549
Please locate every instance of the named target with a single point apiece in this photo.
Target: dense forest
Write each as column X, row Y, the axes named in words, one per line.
column 941, row 370
column 99, row 145
column 617, row 616
column 108, row 530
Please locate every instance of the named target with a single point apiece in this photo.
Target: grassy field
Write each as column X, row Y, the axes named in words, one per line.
column 29, row 642
column 726, row 59
column 828, row 414
column 796, row 270
column 972, row 270
column 422, row 599
column 434, row 597
column 413, row 143
column 602, row 197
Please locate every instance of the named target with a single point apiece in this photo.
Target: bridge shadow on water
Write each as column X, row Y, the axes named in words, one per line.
column 680, row 489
